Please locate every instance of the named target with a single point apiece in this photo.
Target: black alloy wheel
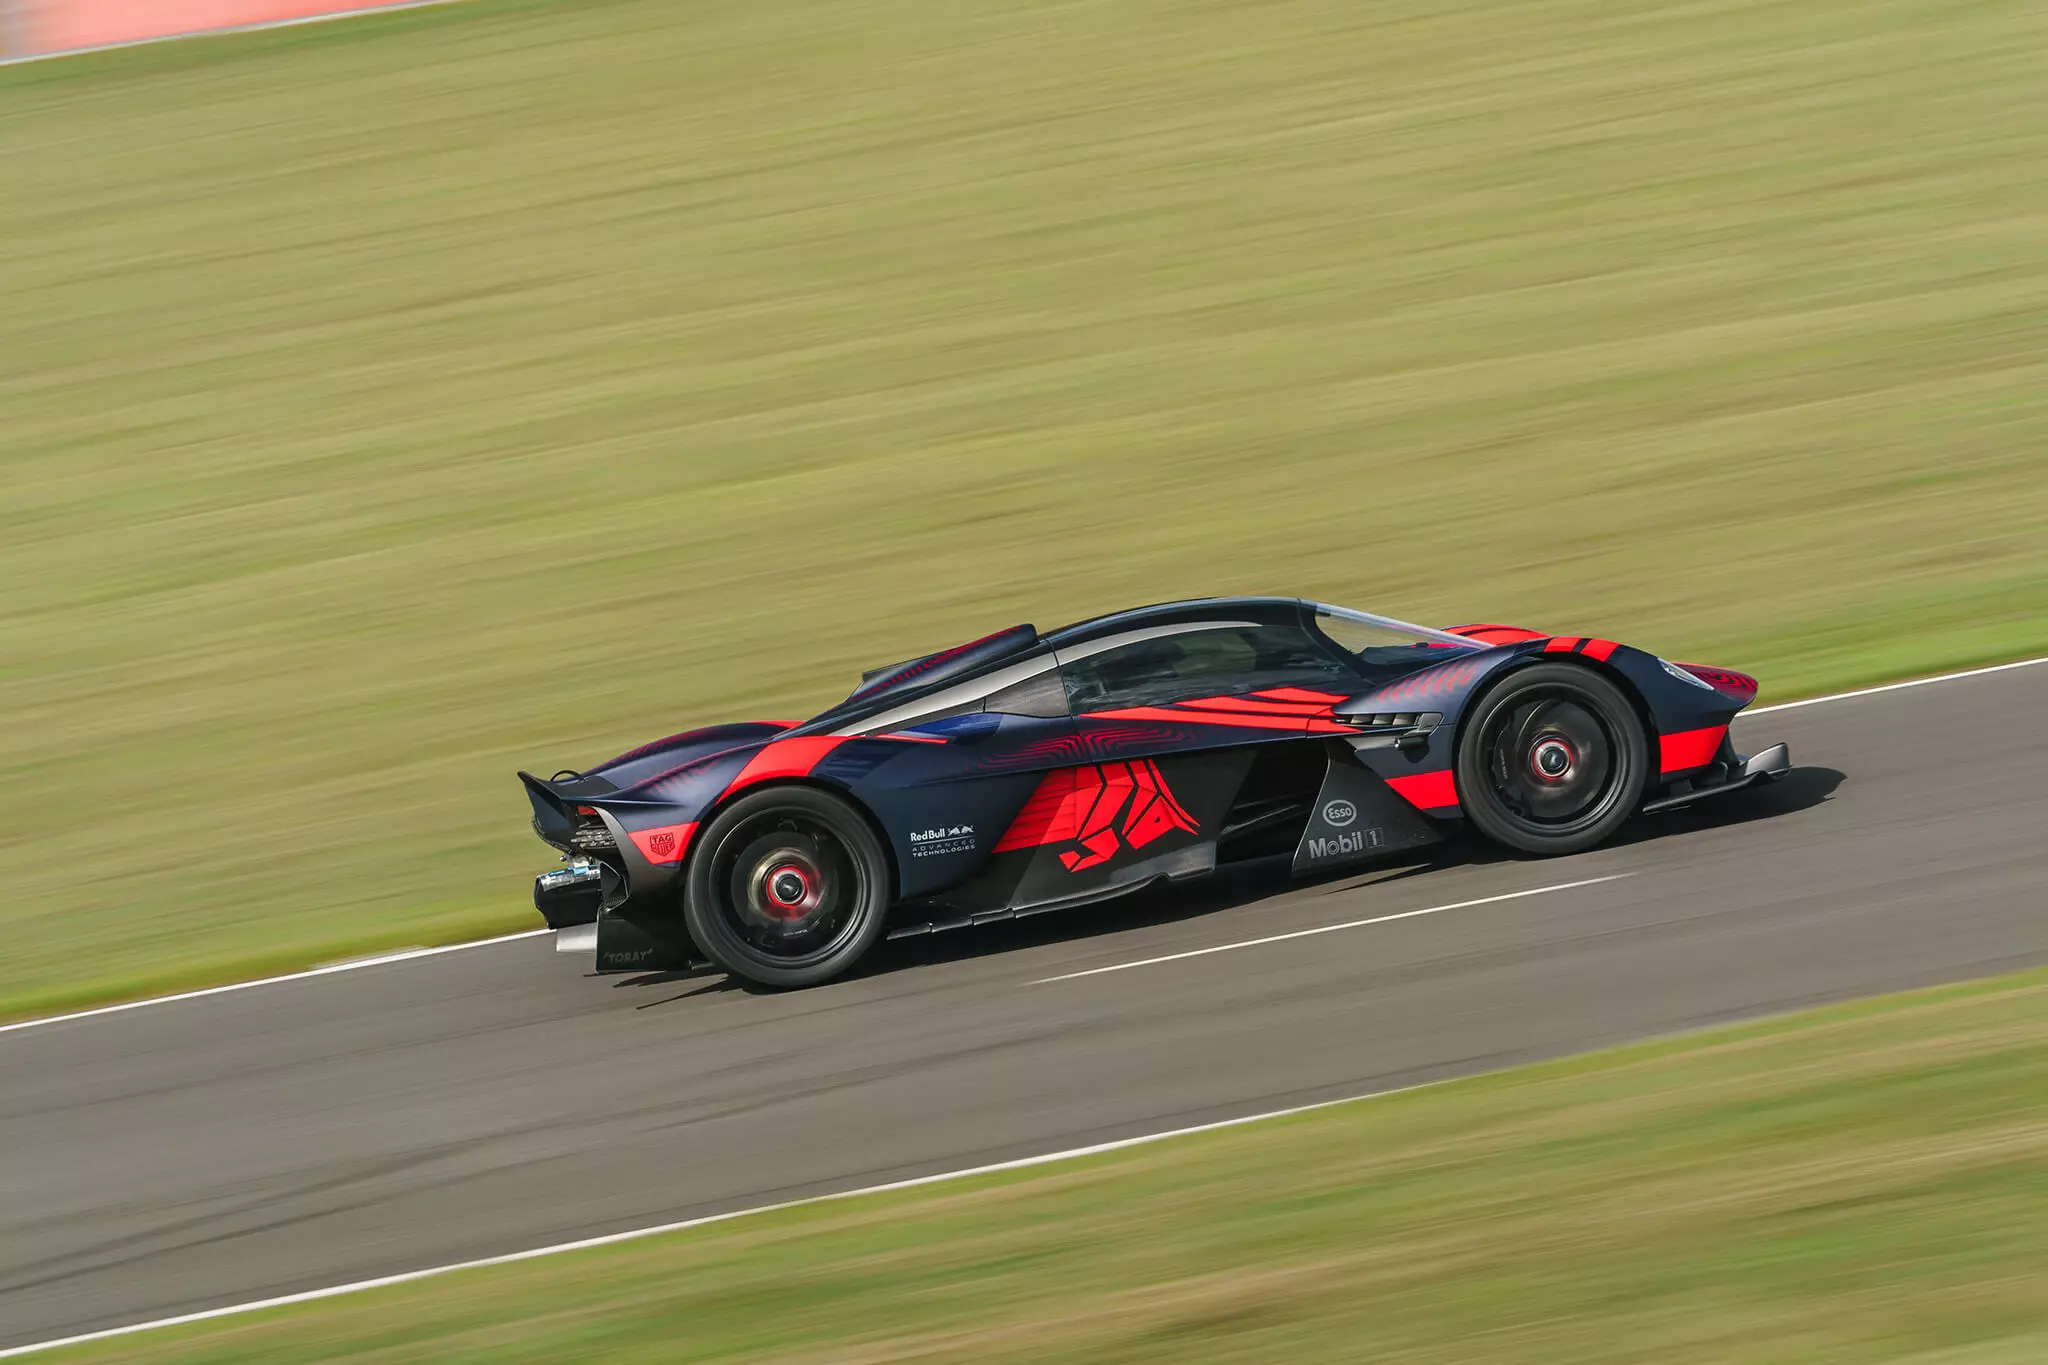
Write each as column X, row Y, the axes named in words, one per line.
column 789, row 887
column 1552, row 761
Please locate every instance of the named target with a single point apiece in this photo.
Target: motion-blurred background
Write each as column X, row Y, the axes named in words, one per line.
column 392, row 403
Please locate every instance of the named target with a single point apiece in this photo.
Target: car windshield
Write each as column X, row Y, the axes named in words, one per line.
column 1381, row 643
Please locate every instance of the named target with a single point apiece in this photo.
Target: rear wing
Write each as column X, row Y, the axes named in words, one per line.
column 555, row 808
column 554, row 816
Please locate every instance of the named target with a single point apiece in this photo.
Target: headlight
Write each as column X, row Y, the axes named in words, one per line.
column 1675, row 671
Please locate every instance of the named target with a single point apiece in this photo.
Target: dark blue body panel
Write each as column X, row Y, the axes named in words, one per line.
column 993, row 794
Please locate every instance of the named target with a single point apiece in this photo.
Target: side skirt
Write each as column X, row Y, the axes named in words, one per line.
column 1179, row 865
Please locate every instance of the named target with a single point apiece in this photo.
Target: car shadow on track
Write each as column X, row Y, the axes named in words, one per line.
column 1798, row 790
column 1249, row 883
column 708, row 980
column 1801, row 789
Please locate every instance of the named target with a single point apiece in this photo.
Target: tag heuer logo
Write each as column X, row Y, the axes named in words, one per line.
column 661, row 843
column 1339, row 813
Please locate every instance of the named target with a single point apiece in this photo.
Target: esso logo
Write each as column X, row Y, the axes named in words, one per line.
column 1339, row 813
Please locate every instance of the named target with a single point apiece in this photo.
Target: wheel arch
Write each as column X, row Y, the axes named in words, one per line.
column 1601, row 667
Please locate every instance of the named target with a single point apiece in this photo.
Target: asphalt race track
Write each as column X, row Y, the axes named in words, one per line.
column 210, row 1151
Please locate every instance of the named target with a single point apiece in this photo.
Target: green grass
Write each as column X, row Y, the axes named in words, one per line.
column 1856, row 1185
column 391, row 405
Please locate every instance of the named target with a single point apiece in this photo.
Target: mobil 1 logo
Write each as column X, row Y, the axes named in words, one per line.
column 1325, row 848
column 1347, row 823
column 1335, row 833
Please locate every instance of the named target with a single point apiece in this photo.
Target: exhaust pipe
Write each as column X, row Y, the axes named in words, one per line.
column 572, row 895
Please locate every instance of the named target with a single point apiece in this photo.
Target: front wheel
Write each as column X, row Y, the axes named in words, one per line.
column 1552, row 761
column 789, row 887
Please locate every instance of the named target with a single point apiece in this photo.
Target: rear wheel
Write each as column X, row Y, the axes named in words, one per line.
column 789, row 887
column 1552, row 761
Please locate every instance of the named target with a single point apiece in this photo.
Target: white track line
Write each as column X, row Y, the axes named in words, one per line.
column 613, row 1239
column 329, row 970
column 1331, row 928
column 505, row 938
column 1891, row 687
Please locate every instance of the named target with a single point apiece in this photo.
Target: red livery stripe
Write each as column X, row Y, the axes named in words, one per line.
column 794, row 757
column 666, row 844
column 1689, row 748
column 1258, row 706
column 1724, row 680
column 1563, row 644
column 1103, row 808
column 1053, row 812
column 1497, row 635
column 1427, row 791
column 1300, row 694
column 1243, row 720
column 1599, row 649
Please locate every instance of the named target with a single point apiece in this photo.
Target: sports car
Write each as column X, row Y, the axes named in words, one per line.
column 1024, row 772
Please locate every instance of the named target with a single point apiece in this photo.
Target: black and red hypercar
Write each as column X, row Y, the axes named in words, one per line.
column 1024, row 772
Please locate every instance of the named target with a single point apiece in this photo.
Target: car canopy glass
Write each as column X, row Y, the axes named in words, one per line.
column 1381, row 641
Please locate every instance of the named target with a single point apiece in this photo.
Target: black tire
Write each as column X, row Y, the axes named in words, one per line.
column 1552, row 761
column 788, row 887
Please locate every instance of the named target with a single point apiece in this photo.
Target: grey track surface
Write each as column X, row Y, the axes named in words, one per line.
column 217, row 1150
